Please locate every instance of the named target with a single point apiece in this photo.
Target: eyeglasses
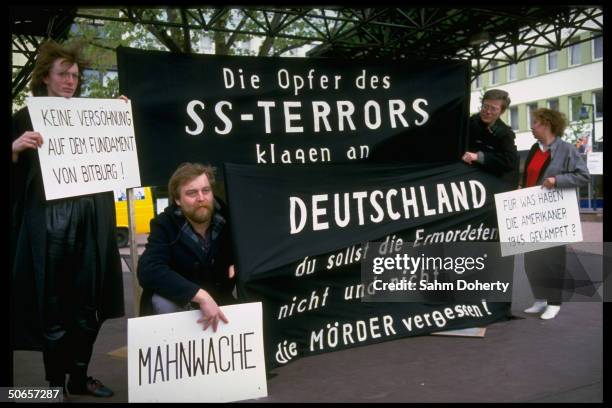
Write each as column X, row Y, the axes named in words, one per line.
column 65, row 75
column 490, row 108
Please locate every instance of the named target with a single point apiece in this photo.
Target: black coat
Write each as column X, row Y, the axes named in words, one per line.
column 174, row 267
column 498, row 148
column 28, row 248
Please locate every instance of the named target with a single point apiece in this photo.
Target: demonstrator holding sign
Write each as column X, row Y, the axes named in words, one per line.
column 65, row 268
column 553, row 163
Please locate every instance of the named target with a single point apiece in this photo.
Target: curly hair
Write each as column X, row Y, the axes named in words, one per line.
column 186, row 172
column 48, row 53
column 555, row 119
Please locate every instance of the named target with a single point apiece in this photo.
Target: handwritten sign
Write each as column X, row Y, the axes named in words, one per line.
column 171, row 359
column 88, row 145
column 535, row 218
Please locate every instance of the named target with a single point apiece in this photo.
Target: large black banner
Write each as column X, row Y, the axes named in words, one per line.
column 301, row 234
column 262, row 110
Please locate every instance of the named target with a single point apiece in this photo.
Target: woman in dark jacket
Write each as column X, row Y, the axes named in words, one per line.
column 552, row 163
column 65, row 269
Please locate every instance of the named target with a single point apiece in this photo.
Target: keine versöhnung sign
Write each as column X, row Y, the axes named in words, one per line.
column 88, row 145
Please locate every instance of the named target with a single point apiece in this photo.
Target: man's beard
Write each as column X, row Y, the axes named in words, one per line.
column 199, row 215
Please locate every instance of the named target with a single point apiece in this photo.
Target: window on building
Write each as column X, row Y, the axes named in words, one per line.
column 496, row 73
column 478, row 82
column 598, row 102
column 514, row 118
column 575, row 104
column 532, row 65
column 512, row 72
column 574, row 54
column 530, row 108
column 598, row 48
column 552, row 61
column 553, row 104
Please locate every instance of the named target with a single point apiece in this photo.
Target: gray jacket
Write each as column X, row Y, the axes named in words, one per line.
column 565, row 164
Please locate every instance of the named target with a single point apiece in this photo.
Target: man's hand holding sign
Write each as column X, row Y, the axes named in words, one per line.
column 211, row 313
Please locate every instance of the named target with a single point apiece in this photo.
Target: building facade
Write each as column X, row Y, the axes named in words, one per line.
column 569, row 80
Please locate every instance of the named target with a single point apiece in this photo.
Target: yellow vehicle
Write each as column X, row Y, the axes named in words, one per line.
column 144, row 211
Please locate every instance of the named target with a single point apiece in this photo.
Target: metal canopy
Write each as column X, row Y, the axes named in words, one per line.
column 505, row 35
column 490, row 37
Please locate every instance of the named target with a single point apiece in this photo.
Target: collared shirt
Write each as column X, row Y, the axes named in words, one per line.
column 544, row 147
column 211, row 234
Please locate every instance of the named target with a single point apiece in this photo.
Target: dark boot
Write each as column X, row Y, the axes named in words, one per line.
column 89, row 386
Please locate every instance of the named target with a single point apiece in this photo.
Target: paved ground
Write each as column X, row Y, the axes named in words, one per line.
column 524, row 359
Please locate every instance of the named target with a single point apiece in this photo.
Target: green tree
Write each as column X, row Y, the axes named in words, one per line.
column 102, row 37
column 106, row 29
column 109, row 28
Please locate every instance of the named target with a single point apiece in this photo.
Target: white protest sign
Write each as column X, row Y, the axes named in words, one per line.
column 171, row 359
column 88, row 145
column 535, row 218
column 595, row 162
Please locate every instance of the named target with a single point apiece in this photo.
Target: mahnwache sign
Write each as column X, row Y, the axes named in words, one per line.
column 536, row 218
column 88, row 145
column 287, row 111
column 171, row 359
